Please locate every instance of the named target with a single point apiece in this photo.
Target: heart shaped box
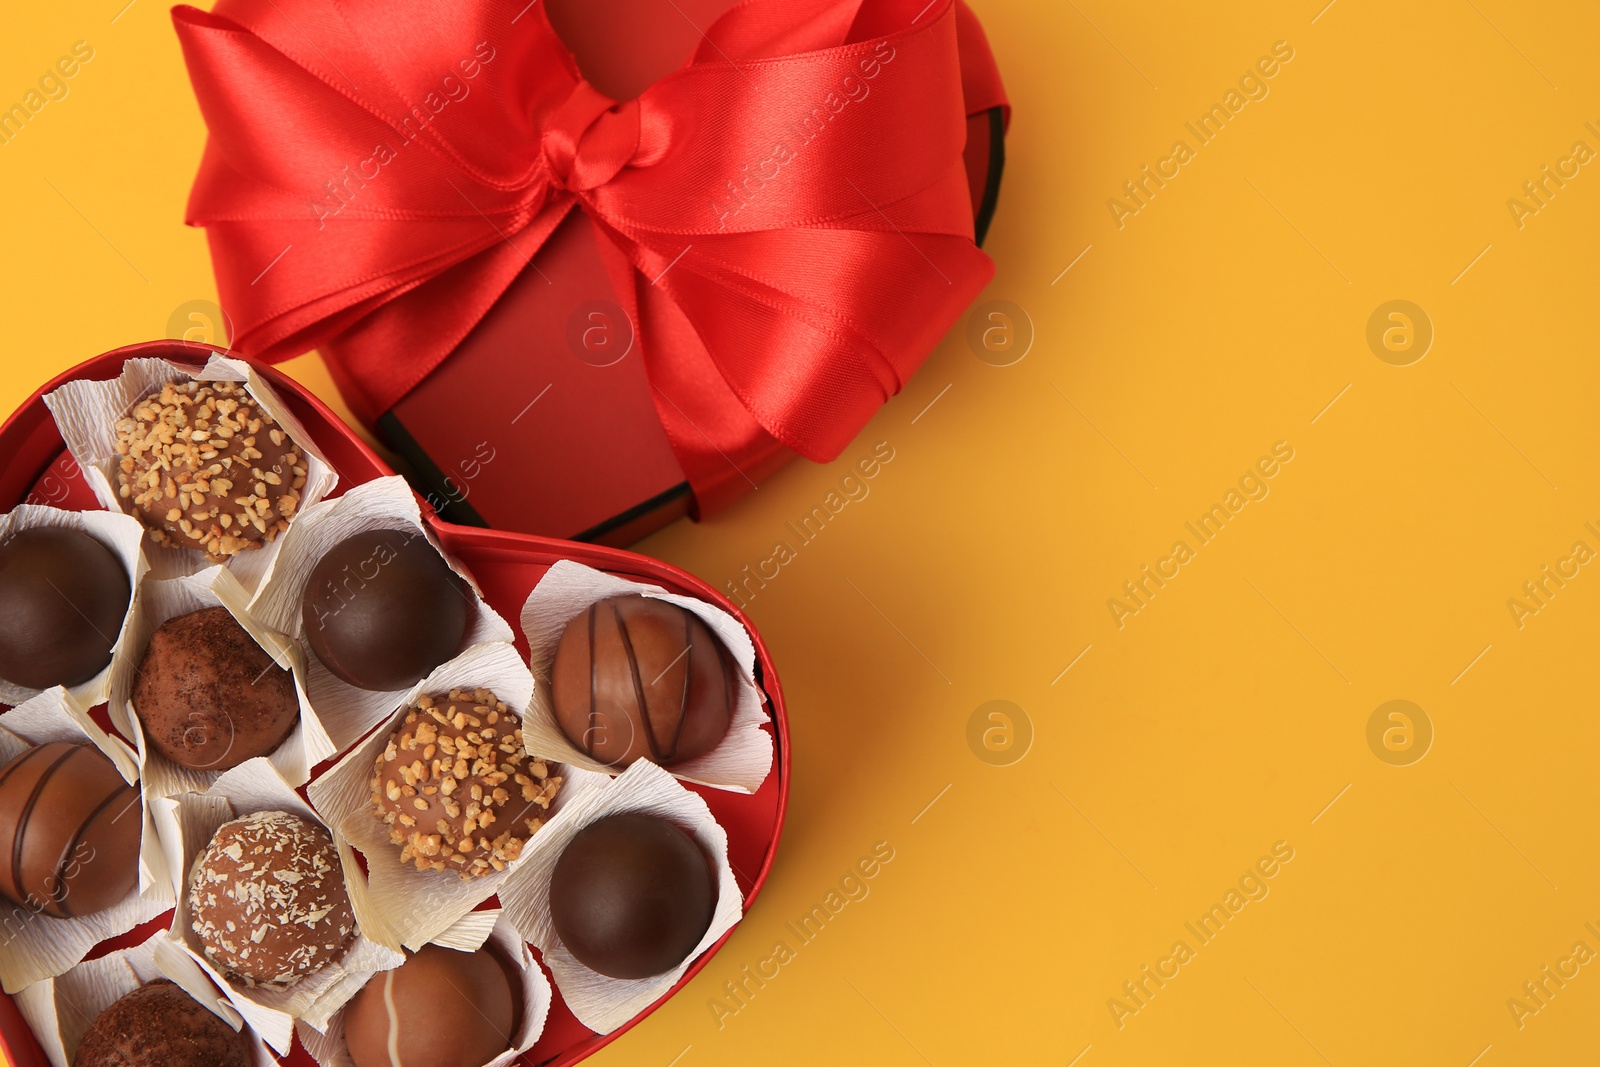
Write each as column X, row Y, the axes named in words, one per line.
column 507, row 565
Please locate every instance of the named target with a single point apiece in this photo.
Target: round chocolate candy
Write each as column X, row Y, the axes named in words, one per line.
column 640, row 678
column 267, row 899
column 456, row 788
column 204, row 467
column 63, row 596
column 632, row 895
column 70, row 824
column 208, row 696
column 159, row 1025
column 383, row 608
column 440, row 1008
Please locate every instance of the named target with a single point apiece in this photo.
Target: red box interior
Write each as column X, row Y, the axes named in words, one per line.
column 506, row 565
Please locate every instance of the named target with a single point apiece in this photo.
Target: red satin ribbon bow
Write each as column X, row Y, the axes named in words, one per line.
column 789, row 210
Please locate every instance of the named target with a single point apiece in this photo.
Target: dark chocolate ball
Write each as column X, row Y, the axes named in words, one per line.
column 383, row 608
column 632, row 895
column 204, row 467
column 267, row 899
column 159, row 1025
column 457, row 789
column 208, row 696
column 639, row 678
column 63, row 596
column 441, row 1007
column 70, row 824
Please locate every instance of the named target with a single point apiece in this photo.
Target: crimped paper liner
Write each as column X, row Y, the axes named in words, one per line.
column 164, row 599
column 123, row 535
column 61, row 1010
column 35, row 946
column 348, row 712
column 419, row 906
column 87, row 413
column 601, row 1003
column 329, row 1049
column 188, row 822
column 739, row 763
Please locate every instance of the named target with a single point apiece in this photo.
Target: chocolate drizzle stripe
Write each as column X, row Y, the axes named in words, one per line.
column 59, row 898
column 594, row 687
column 638, row 685
column 27, row 813
column 688, row 677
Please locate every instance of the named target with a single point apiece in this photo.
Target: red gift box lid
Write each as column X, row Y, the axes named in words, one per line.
column 542, row 420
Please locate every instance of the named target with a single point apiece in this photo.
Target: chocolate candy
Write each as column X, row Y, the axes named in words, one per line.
column 383, row 608
column 632, row 895
column 159, row 1025
column 639, row 678
column 440, row 1008
column 457, row 789
column 70, row 825
column 267, row 899
column 208, row 696
column 63, row 596
column 204, row 467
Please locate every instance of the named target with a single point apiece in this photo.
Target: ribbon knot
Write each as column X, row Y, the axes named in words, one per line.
column 589, row 139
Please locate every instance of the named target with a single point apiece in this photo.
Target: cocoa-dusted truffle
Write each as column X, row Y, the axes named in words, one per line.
column 267, row 899
column 208, row 696
column 632, row 895
column 641, row 678
column 70, row 825
column 159, row 1025
column 63, row 596
column 204, row 467
column 383, row 608
column 440, row 1008
column 456, row 787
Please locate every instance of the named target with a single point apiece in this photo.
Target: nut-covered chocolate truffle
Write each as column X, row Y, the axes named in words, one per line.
column 204, row 467
column 267, row 899
column 63, row 596
column 383, row 608
column 208, row 696
column 70, row 825
column 632, row 895
column 639, row 678
column 440, row 1008
column 159, row 1025
column 457, row 789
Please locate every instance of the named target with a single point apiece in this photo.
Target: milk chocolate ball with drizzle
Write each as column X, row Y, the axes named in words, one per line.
column 383, row 608
column 70, row 825
column 440, row 1008
column 640, row 678
column 63, row 596
column 632, row 895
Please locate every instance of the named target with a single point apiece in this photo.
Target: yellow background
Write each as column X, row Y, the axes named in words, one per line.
column 1229, row 713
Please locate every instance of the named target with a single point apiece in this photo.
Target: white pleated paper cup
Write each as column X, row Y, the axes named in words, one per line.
column 740, row 762
column 35, row 946
column 602, row 1003
column 161, row 600
column 419, row 906
column 61, row 1010
column 123, row 535
column 188, row 822
column 347, row 712
column 87, row 413
column 486, row 927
